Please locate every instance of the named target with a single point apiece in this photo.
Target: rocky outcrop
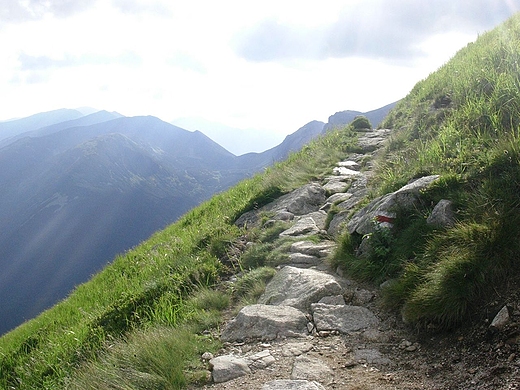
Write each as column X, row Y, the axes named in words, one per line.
column 265, row 322
column 384, row 208
column 301, row 201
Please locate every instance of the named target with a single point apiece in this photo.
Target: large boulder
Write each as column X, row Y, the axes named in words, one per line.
column 407, row 197
column 299, row 288
column 265, row 322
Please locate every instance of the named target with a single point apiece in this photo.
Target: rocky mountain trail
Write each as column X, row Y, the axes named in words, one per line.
column 314, row 328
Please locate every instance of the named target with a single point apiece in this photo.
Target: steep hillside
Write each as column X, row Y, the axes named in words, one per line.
column 461, row 123
column 76, row 190
column 147, row 318
column 149, row 286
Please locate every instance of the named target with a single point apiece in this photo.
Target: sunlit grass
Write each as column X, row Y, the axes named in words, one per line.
column 462, row 123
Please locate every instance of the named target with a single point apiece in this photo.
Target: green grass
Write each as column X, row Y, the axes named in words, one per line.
column 119, row 329
column 462, row 123
column 156, row 358
column 152, row 285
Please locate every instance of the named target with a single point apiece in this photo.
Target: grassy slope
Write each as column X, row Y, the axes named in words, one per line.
column 462, row 123
column 146, row 295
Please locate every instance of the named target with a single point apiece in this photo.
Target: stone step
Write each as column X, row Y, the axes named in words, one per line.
column 299, row 288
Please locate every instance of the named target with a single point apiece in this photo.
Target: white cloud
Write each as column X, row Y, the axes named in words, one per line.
column 269, row 65
column 391, row 30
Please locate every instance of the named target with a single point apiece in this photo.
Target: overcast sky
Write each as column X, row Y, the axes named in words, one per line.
column 267, row 65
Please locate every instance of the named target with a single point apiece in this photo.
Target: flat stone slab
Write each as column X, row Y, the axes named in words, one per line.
column 265, row 322
column 333, row 300
column 340, row 197
column 371, row 356
column 303, row 260
column 227, row 367
column 304, row 227
column 321, row 249
column 286, row 384
column 303, row 200
column 311, row 223
column 261, row 360
column 310, row 368
column 296, row 348
column 299, row 288
column 372, row 140
column 336, row 186
column 343, row 318
column 349, row 164
column 344, row 171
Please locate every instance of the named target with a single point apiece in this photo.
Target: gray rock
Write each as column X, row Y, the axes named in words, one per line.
column 333, row 300
column 310, row 368
column 359, row 185
column 337, row 225
column 301, row 201
column 335, row 199
column 306, row 199
column 336, row 186
column 406, row 197
column 286, row 384
column 227, row 367
column 305, row 226
column 344, row 318
column 299, row 288
column 372, row 140
column 309, row 224
column 296, row 348
column 321, row 249
column 265, row 322
column 442, row 215
column 303, row 260
column 362, row 297
column 501, row 319
column 261, row 360
column 352, row 202
column 340, row 197
column 349, row 164
column 283, row 215
column 347, row 172
column 207, row 356
column 371, row 356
